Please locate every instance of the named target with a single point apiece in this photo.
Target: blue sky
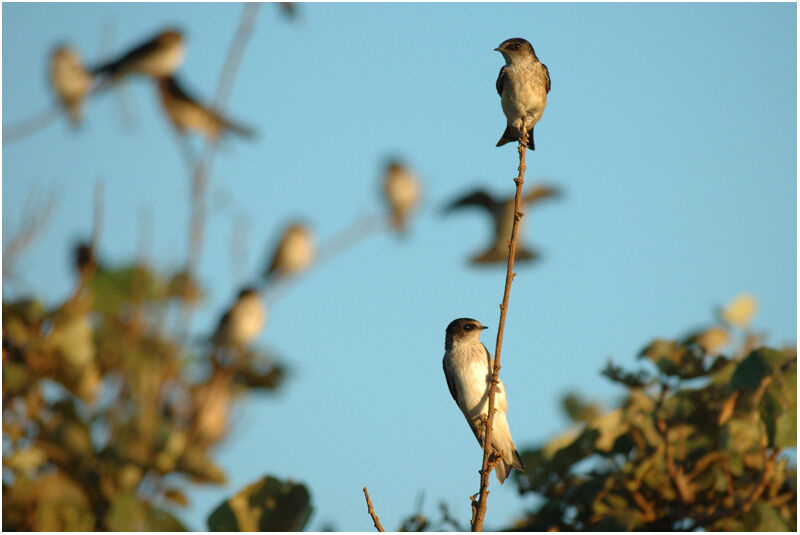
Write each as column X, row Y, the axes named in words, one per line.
column 671, row 128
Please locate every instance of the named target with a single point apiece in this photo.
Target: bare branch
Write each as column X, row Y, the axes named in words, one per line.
column 375, row 520
column 35, row 217
column 30, row 125
column 202, row 169
column 489, row 458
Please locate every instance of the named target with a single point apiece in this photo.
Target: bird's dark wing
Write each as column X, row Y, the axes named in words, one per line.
column 539, row 193
column 546, row 78
column 501, row 78
column 476, row 198
column 129, row 57
column 176, row 90
column 489, row 360
column 450, row 384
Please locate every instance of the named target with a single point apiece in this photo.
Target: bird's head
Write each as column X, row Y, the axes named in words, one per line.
column 170, row 37
column 463, row 330
column 516, row 49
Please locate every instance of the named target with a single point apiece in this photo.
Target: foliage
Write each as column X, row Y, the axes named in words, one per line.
column 695, row 443
column 108, row 414
column 266, row 505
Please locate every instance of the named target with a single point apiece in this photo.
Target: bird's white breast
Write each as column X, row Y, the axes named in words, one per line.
column 524, row 93
column 247, row 321
column 470, row 372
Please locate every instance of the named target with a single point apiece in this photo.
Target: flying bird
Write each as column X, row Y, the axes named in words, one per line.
column 242, row 322
column 523, row 85
column 401, row 188
column 159, row 56
column 294, row 252
column 468, row 371
column 187, row 114
column 71, row 80
column 502, row 214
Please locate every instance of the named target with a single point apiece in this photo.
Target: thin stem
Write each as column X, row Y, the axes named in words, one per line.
column 375, row 520
column 30, row 125
column 489, row 460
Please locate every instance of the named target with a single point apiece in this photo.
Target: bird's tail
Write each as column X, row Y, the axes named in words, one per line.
column 237, row 128
column 504, row 467
column 511, row 134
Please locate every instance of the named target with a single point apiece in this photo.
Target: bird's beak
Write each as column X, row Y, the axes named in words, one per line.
column 497, row 49
column 484, row 327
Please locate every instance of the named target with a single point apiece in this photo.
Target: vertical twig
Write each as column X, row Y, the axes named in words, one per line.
column 371, row 511
column 479, row 506
column 203, row 166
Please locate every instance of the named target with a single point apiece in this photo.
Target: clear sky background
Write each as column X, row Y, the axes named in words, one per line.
column 671, row 128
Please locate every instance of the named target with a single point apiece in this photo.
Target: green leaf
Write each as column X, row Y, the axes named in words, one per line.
column 266, row 505
column 755, row 367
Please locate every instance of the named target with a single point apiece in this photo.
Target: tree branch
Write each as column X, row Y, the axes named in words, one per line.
column 479, row 508
column 371, row 511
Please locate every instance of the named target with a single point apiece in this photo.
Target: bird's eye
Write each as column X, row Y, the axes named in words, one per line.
column 515, row 46
column 469, row 327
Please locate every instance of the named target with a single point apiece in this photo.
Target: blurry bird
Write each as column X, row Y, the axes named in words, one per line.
column 402, row 190
column 502, row 213
column 187, row 114
column 83, row 257
column 243, row 322
column 294, row 253
column 70, row 79
column 523, row 85
column 159, row 56
column 468, row 370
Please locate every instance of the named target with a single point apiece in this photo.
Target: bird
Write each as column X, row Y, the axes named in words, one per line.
column 187, row 114
column 242, row 322
column 70, row 80
column 502, row 214
column 294, row 252
column 468, row 369
column 401, row 189
column 523, row 85
column 159, row 56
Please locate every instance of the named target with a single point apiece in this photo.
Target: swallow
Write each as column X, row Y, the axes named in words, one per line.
column 468, row 371
column 242, row 322
column 401, row 189
column 523, row 85
column 294, row 253
column 70, row 80
column 187, row 114
column 159, row 56
column 502, row 214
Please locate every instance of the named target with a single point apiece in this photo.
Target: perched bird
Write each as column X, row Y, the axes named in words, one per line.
column 70, row 79
column 523, row 85
column 83, row 257
column 243, row 322
column 187, row 114
column 294, row 253
column 401, row 188
column 502, row 213
column 468, row 371
column 159, row 56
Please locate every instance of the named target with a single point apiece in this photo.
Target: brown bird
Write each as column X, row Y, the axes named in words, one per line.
column 502, row 213
column 159, row 56
column 70, row 79
column 187, row 114
column 402, row 190
column 294, row 253
column 242, row 322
